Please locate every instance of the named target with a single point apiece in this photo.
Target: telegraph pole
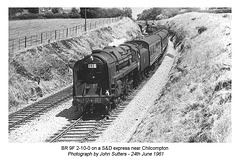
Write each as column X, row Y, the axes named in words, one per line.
column 85, row 19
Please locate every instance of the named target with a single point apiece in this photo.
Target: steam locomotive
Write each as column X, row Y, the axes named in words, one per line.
column 106, row 76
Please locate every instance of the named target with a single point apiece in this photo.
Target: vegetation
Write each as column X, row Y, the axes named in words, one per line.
column 43, row 69
column 195, row 103
column 34, row 13
column 106, row 12
column 164, row 13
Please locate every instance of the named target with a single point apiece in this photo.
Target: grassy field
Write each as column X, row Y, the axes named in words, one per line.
column 21, row 28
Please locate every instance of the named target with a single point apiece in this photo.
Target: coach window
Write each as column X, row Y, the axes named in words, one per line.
column 158, row 45
column 145, row 46
column 134, row 58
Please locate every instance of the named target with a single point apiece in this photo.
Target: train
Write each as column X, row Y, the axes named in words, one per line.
column 104, row 78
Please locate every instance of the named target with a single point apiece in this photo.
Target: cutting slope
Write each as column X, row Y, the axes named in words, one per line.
column 41, row 70
column 195, row 105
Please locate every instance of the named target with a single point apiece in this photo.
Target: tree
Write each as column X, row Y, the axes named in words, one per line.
column 91, row 12
column 82, row 12
column 74, row 11
column 13, row 11
column 105, row 12
column 127, row 12
column 151, row 13
column 34, row 10
column 55, row 10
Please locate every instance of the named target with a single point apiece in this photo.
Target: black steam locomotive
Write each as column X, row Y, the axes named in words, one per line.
column 107, row 75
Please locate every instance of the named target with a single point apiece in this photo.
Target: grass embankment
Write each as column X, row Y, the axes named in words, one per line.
column 195, row 104
column 41, row 70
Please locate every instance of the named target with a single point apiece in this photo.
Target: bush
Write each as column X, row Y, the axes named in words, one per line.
column 201, row 29
column 27, row 16
column 49, row 15
column 43, row 70
column 20, row 69
column 74, row 15
column 217, row 11
column 57, row 15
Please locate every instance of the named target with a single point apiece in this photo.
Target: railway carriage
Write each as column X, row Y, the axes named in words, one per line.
column 164, row 38
column 107, row 75
column 152, row 49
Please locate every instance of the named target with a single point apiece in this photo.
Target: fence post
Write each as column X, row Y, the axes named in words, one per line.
column 67, row 33
column 59, row 34
column 76, row 29
column 55, row 34
column 19, row 44
column 25, row 41
column 41, row 38
column 13, row 47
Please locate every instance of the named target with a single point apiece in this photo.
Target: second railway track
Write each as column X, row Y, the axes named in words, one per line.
column 18, row 118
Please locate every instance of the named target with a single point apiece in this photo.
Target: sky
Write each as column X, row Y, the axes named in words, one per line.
column 137, row 10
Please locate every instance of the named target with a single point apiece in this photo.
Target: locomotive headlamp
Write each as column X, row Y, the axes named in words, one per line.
column 75, row 102
column 91, row 57
column 105, row 101
column 107, row 92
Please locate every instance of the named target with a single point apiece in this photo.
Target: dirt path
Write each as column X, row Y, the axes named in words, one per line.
column 125, row 125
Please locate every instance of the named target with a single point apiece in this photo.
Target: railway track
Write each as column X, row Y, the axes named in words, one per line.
column 26, row 114
column 88, row 129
